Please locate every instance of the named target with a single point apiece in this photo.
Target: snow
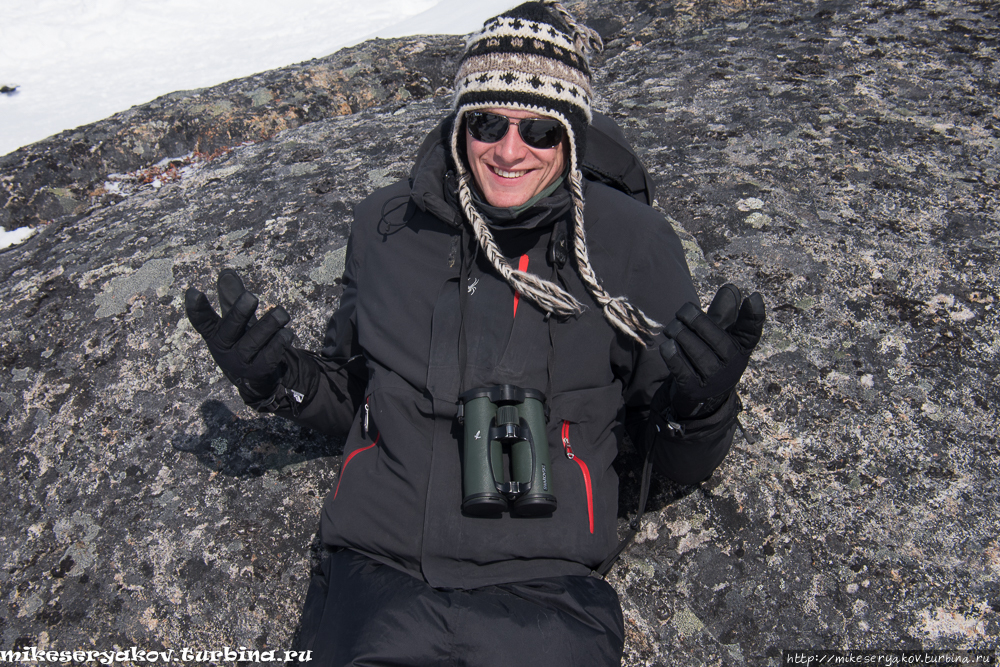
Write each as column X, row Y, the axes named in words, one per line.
column 19, row 235
column 77, row 61
column 74, row 62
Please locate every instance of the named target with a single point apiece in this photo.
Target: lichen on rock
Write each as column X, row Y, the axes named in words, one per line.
column 838, row 156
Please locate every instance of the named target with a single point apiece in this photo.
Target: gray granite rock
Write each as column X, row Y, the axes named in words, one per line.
column 841, row 157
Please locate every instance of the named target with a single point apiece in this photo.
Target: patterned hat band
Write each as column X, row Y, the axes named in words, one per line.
column 526, row 89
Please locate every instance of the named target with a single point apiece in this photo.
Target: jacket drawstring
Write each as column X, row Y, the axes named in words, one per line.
column 463, row 295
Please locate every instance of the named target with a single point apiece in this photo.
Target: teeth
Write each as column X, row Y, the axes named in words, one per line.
column 508, row 174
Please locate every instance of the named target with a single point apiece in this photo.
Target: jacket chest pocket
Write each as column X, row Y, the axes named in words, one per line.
column 370, row 441
column 586, row 433
column 588, row 487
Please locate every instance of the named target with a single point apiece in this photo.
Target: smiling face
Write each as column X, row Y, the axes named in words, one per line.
column 509, row 172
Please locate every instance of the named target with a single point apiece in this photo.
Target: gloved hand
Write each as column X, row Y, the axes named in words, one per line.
column 249, row 351
column 706, row 354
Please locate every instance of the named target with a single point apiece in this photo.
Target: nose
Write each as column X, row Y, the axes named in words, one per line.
column 511, row 148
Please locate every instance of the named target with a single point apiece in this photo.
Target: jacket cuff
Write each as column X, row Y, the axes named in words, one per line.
column 294, row 390
column 688, row 451
column 722, row 417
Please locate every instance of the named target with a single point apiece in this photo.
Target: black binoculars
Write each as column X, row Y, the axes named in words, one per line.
column 501, row 421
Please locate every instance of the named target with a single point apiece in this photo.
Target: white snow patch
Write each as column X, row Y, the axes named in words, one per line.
column 76, row 62
column 15, row 237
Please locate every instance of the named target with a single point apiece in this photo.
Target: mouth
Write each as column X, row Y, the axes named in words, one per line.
column 507, row 174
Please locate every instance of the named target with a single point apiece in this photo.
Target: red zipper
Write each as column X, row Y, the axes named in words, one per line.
column 348, row 460
column 583, row 468
column 522, row 266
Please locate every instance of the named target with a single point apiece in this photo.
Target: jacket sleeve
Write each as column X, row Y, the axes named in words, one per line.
column 687, row 452
column 324, row 390
column 684, row 451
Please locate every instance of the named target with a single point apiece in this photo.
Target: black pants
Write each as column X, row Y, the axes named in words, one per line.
column 361, row 612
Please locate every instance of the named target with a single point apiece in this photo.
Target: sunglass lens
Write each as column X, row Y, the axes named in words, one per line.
column 488, row 127
column 541, row 133
column 536, row 132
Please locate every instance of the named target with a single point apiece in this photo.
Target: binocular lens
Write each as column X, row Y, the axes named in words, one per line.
column 484, row 505
column 506, row 420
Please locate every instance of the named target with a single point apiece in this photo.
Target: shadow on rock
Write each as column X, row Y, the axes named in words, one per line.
column 662, row 491
column 242, row 447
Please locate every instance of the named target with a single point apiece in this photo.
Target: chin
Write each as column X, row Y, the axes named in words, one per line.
column 507, row 201
column 510, row 197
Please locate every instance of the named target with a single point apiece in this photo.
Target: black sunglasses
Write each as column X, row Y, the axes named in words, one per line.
column 492, row 127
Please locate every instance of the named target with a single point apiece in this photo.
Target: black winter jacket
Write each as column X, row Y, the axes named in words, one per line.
column 392, row 369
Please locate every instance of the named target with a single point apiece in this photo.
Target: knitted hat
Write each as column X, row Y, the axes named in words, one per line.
column 534, row 58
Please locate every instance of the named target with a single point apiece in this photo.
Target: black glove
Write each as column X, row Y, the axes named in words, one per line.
column 706, row 354
column 249, row 351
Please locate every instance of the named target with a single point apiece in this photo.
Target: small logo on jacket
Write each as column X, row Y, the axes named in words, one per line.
column 472, row 287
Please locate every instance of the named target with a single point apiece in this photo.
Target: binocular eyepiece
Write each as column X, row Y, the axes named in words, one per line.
column 505, row 420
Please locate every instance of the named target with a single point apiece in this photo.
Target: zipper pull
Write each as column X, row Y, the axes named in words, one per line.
column 366, row 416
column 565, row 441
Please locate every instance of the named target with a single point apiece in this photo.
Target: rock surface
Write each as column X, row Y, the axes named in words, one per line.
column 841, row 157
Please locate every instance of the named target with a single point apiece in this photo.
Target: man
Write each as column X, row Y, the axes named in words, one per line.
column 434, row 313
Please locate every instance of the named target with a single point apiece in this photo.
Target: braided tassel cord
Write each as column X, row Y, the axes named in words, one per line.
column 617, row 310
column 585, row 38
column 545, row 294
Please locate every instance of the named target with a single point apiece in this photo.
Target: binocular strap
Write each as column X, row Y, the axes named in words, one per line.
column 633, row 527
